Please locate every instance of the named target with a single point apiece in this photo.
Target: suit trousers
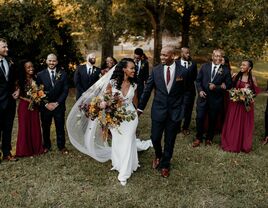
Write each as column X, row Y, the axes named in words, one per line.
column 266, row 119
column 169, row 128
column 213, row 113
column 7, row 116
column 189, row 105
column 59, row 119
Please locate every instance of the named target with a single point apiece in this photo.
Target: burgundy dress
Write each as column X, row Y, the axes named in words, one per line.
column 238, row 126
column 29, row 141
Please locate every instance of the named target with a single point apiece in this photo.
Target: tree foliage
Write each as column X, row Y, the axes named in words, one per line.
column 33, row 31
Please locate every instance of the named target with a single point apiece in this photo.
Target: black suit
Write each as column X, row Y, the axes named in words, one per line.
column 142, row 76
column 57, row 93
column 83, row 80
column 167, row 110
column 7, row 107
column 190, row 93
column 213, row 103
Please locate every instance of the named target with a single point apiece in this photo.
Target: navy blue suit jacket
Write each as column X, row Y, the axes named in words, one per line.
column 165, row 105
column 83, row 81
column 58, row 92
column 215, row 97
column 7, row 87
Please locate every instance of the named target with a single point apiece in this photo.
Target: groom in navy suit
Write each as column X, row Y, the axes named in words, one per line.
column 212, row 82
column 56, row 88
column 168, row 81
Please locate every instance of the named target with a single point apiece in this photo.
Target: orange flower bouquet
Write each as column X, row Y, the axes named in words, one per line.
column 244, row 95
column 35, row 94
column 109, row 109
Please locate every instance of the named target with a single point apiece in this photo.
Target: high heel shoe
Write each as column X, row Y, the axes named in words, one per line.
column 265, row 141
column 123, row 183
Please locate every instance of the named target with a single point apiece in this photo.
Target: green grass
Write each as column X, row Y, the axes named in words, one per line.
column 201, row 177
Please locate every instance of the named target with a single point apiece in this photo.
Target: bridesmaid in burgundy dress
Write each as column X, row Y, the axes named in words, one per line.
column 239, row 124
column 29, row 141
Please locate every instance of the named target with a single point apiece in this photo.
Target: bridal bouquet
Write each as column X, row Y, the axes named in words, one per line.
column 244, row 95
column 35, row 94
column 110, row 111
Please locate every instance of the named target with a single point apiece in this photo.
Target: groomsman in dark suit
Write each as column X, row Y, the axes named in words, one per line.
column 142, row 70
column 56, row 88
column 190, row 92
column 168, row 81
column 8, row 94
column 212, row 82
column 86, row 75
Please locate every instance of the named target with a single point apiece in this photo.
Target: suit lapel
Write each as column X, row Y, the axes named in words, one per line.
column 209, row 71
column 176, row 74
column 162, row 78
column 47, row 78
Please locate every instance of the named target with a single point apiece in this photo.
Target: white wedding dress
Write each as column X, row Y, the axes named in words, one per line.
column 86, row 135
column 124, row 148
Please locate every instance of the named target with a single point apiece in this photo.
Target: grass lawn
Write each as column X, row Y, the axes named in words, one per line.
column 202, row 177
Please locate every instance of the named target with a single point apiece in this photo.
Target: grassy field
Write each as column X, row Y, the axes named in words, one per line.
column 202, row 177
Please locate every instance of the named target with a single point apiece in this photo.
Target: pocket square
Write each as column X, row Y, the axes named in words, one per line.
column 179, row 79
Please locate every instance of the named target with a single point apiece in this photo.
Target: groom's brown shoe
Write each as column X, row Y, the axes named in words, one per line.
column 156, row 163
column 164, row 172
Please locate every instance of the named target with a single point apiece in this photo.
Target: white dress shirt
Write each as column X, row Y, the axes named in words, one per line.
column 216, row 70
column 5, row 63
column 184, row 63
column 172, row 73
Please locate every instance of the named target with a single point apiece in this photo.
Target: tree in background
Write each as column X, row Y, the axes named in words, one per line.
column 33, row 31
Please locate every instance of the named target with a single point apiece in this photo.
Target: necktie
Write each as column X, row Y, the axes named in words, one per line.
column 213, row 72
column 168, row 75
column 185, row 64
column 3, row 67
column 53, row 77
column 89, row 71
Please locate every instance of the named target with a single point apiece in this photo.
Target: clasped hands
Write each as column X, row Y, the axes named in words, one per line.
column 52, row 106
column 211, row 86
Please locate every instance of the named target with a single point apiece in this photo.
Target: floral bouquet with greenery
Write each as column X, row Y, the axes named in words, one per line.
column 244, row 95
column 35, row 94
column 110, row 111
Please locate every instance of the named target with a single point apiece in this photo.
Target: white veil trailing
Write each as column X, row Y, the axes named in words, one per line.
column 85, row 134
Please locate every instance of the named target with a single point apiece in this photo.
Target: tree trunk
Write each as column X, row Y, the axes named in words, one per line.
column 157, row 41
column 186, row 21
column 106, row 34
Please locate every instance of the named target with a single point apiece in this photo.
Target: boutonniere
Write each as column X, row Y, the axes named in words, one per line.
column 58, row 75
column 220, row 71
column 142, row 65
column 179, row 78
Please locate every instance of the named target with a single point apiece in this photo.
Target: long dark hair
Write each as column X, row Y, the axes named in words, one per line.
column 240, row 74
column 118, row 74
column 22, row 76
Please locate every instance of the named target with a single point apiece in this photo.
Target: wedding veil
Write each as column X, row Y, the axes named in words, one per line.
column 85, row 134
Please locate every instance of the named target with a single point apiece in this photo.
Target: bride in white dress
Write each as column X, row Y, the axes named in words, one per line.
column 86, row 135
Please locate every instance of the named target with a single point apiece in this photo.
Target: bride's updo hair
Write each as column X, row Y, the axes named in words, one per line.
column 118, row 74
